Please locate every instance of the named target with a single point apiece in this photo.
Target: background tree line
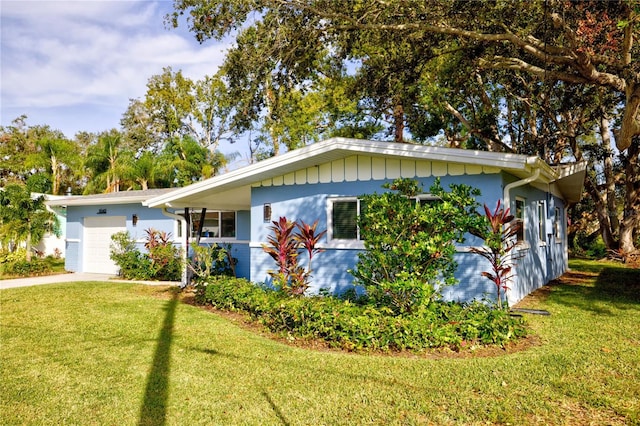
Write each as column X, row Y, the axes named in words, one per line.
column 550, row 78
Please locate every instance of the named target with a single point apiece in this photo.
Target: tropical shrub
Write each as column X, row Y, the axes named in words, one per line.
column 284, row 245
column 23, row 219
column 166, row 263
column 410, row 242
column 161, row 262
column 499, row 240
column 23, row 268
column 210, row 260
column 361, row 327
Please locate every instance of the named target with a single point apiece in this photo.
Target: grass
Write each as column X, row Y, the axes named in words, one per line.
column 105, row 353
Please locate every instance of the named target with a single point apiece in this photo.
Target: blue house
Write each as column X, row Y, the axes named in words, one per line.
column 323, row 181
column 92, row 219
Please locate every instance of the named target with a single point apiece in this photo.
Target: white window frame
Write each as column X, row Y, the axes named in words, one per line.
column 343, row 242
column 192, row 230
column 522, row 220
column 542, row 222
column 558, row 223
column 426, row 197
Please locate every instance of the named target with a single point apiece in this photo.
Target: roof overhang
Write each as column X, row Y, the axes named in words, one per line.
column 570, row 180
column 124, row 197
column 232, row 191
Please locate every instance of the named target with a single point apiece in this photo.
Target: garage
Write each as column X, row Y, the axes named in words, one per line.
column 97, row 240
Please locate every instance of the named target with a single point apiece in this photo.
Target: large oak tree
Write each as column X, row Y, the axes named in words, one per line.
column 585, row 44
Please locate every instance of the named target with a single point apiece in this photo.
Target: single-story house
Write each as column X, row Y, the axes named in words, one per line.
column 321, row 182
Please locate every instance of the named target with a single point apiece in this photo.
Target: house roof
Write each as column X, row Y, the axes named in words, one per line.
column 122, row 197
column 232, row 191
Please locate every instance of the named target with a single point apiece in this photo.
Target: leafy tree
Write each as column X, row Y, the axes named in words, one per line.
column 188, row 161
column 23, row 218
column 56, row 156
column 542, row 43
column 410, row 243
column 105, row 162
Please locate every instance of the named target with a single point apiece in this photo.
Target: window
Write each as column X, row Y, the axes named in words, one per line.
column 343, row 219
column 217, row 224
column 427, row 199
column 519, row 217
column 542, row 219
column 557, row 225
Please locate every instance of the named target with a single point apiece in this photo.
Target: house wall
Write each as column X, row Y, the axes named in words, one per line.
column 303, row 196
column 239, row 245
column 539, row 260
column 147, row 218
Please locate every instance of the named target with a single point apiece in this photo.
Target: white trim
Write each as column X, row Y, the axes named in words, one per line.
column 73, row 240
column 359, row 245
column 541, row 207
column 523, row 242
column 338, row 148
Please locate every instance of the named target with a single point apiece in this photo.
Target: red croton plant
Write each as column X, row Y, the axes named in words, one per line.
column 499, row 242
column 284, row 246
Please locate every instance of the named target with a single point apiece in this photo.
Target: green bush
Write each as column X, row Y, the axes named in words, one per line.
column 162, row 262
column 349, row 325
column 410, row 243
column 22, row 268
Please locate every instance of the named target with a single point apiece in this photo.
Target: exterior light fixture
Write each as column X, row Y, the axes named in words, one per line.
column 134, row 219
column 266, row 212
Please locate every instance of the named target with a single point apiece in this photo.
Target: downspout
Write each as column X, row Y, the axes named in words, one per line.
column 184, row 242
column 506, row 198
column 507, row 195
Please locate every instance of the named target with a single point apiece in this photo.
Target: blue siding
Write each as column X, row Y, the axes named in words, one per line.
column 471, row 284
column 147, row 218
column 330, row 268
column 540, row 260
column 71, row 256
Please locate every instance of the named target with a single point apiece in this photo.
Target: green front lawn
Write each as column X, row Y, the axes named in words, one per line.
column 106, row 353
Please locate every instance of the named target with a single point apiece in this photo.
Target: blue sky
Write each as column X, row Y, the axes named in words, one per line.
column 74, row 65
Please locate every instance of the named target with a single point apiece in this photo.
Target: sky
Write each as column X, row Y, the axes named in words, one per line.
column 75, row 64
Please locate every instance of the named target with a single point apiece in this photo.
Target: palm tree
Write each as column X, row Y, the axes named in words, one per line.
column 57, row 156
column 23, row 218
column 106, row 162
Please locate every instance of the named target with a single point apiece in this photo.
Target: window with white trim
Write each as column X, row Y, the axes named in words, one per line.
column 519, row 218
column 542, row 220
column 343, row 219
column 557, row 225
column 217, row 224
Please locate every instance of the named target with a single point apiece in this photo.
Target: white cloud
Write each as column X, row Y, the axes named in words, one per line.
column 61, row 55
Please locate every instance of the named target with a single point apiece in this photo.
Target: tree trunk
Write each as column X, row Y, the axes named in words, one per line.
column 610, row 182
column 600, row 203
column 55, row 175
column 398, row 121
column 602, row 215
column 631, row 217
column 28, row 245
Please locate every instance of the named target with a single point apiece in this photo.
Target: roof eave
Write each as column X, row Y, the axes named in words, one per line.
column 339, row 148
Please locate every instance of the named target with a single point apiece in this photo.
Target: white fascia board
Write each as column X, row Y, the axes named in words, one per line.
column 334, row 148
column 82, row 201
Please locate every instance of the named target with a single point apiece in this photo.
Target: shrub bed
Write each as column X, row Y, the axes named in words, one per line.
column 22, row 268
column 353, row 325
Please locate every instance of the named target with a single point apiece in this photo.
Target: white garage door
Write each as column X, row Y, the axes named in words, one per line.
column 97, row 239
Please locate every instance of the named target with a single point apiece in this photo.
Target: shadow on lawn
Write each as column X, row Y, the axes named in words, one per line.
column 154, row 409
column 598, row 290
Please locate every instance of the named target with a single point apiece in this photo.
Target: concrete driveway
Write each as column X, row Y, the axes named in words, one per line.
column 64, row 278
